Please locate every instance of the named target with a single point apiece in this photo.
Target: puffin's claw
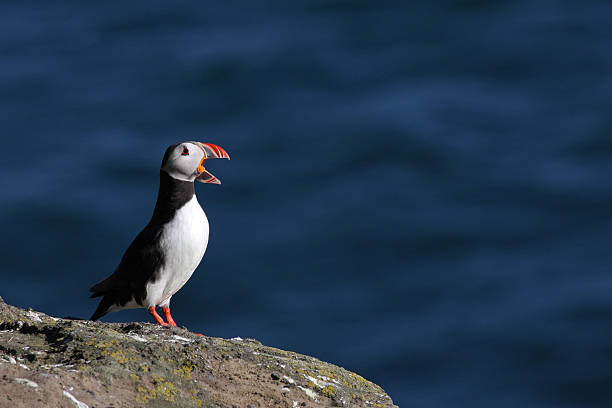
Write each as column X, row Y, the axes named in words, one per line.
column 158, row 318
column 169, row 319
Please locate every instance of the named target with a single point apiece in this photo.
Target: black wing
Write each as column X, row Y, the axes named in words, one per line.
column 140, row 263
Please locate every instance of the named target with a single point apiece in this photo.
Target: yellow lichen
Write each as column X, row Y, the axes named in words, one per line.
column 185, row 370
column 161, row 389
column 107, row 344
column 306, row 373
column 120, row 357
column 357, row 382
column 134, row 376
column 195, row 399
column 328, row 391
column 321, row 369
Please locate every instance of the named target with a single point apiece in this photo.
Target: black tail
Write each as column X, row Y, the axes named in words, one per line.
column 102, row 309
column 101, row 288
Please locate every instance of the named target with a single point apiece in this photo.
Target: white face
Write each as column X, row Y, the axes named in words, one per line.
column 182, row 161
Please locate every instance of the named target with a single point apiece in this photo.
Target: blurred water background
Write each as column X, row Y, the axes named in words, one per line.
column 418, row 192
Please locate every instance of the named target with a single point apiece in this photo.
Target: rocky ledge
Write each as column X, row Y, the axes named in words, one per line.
column 47, row 361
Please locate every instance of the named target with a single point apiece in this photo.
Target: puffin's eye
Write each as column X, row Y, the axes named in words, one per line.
column 185, row 151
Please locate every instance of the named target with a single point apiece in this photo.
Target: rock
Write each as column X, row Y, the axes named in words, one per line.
column 78, row 363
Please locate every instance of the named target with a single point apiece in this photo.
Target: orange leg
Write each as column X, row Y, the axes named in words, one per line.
column 159, row 320
column 169, row 318
column 157, row 317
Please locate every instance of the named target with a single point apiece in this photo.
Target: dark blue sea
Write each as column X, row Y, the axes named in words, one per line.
column 420, row 192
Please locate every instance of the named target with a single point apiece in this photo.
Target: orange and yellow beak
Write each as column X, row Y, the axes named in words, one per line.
column 211, row 151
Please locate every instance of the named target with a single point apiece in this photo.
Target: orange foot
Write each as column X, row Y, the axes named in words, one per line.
column 159, row 320
column 157, row 317
column 169, row 318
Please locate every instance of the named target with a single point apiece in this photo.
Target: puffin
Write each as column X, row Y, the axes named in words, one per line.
column 164, row 255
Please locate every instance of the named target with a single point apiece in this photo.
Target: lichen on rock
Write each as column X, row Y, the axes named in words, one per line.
column 46, row 361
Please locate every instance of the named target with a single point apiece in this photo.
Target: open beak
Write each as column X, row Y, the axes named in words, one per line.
column 211, row 151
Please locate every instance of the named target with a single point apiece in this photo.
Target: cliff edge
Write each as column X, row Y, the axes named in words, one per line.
column 47, row 361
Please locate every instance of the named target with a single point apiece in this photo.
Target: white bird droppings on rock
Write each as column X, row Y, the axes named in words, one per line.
column 27, row 382
column 34, row 316
column 328, row 380
column 315, row 381
column 78, row 403
column 311, row 394
column 288, row 380
column 137, row 337
column 50, row 366
column 179, row 339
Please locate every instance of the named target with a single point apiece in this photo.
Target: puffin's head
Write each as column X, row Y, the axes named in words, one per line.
column 185, row 161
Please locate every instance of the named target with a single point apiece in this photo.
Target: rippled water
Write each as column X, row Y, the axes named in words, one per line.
column 420, row 194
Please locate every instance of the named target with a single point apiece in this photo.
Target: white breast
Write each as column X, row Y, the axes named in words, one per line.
column 183, row 243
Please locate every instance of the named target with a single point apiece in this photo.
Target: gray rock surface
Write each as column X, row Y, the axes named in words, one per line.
column 46, row 361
